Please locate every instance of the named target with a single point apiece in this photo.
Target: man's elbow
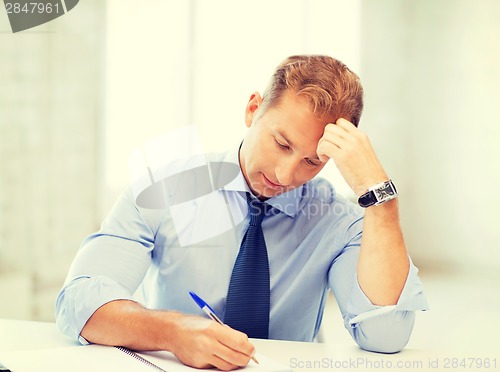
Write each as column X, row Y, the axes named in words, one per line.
column 385, row 334
column 61, row 316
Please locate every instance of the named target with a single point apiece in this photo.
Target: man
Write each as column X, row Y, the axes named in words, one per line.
column 316, row 241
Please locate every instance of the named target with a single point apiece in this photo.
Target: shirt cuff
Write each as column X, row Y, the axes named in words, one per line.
column 83, row 341
column 82, row 297
column 412, row 298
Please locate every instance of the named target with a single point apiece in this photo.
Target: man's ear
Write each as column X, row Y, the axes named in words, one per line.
column 252, row 108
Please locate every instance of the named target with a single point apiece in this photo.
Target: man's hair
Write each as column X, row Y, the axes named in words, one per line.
column 330, row 88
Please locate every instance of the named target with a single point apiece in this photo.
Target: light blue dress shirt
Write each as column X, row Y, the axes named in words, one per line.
column 313, row 239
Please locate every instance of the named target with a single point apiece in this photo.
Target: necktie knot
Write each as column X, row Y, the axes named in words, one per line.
column 257, row 210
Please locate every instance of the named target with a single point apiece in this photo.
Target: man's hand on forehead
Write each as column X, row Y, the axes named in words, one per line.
column 353, row 154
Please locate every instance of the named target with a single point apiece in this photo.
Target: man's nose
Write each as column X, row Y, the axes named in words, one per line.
column 285, row 171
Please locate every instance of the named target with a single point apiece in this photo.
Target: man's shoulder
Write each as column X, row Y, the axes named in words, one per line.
column 319, row 190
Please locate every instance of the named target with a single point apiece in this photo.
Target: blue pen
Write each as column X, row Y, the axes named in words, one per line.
column 209, row 311
column 205, row 307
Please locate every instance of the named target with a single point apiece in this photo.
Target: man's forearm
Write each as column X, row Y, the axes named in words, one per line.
column 127, row 323
column 383, row 263
column 196, row 341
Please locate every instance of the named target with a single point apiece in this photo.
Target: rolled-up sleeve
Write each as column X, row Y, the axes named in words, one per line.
column 385, row 329
column 110, row 265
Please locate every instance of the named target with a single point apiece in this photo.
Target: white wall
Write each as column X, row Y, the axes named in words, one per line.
column 431, row 75
column 147, row 82
column 50, row 106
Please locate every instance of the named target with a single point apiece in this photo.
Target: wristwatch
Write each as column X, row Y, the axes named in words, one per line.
column 378, row 194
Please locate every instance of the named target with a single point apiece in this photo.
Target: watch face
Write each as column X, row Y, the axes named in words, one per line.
column 384, row 192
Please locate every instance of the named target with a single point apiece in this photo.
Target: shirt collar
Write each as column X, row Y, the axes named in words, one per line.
column 287, row 202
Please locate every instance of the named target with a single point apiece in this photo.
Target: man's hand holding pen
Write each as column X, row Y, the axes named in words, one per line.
column 235, row 349
column 203, row 343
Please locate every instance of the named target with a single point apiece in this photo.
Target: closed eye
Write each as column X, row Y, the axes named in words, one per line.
column 282, row 145
column 312, row 163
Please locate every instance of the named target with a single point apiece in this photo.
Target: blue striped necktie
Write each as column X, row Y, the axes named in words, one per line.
column 248, row 296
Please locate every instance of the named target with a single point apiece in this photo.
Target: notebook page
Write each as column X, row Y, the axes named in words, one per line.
column 98, row 358
column 74, row 358
column 169, row 362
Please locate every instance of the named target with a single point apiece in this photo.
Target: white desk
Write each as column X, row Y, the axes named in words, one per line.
column 300, row 356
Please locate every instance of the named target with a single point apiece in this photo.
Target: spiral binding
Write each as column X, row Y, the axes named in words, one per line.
column 139, row 358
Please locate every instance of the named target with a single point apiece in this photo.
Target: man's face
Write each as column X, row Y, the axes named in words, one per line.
column 278, row 153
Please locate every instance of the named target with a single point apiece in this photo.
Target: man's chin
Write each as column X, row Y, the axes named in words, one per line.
column 265, row 192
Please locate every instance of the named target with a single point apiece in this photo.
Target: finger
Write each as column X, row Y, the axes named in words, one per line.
column 333, row 129
column 222, row 364
column 327, row 150
column 346, row 125
column 323, row 158
column 227, row 358
column 231, row 356
column 238, row 342
column 352, row 134
column 338, row 136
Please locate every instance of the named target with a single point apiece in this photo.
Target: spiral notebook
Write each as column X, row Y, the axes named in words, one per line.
column 106, row 358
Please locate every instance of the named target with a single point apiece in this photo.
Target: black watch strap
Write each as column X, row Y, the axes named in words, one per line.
column 367, row 199
column 378, row 194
